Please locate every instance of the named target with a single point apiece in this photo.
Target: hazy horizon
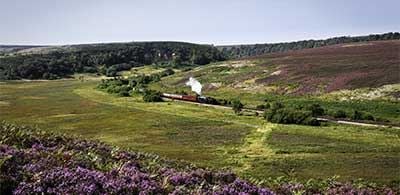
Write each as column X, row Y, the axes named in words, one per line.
column 46, row 22
column 82, row 43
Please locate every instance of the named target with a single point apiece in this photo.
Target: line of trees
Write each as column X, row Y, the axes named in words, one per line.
column 278, row 112
column 104, row 59
column 135, row 84
column 239, row 51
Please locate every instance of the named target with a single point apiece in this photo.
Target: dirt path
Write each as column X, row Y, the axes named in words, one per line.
column 253, row 147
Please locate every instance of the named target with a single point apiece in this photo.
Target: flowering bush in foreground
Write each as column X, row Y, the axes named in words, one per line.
column 35, row 162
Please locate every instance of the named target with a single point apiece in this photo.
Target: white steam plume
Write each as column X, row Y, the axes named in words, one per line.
column 195, row 84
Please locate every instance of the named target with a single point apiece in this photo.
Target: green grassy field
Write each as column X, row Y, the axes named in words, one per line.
column 57, row 105
column 205, row 136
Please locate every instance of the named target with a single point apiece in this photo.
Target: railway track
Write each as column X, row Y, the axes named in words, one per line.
column 260, row 113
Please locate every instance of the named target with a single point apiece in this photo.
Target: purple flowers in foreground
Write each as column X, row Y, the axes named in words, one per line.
column 83, row 181
column 36, row 162
column 33, row 162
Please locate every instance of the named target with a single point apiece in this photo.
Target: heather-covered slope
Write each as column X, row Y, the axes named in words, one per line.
column 345, row 66
column 32, row 161
column 35, row 162
column 307, row 71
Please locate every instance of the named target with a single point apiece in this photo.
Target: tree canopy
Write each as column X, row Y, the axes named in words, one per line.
column 105, row 59
column 239, row 51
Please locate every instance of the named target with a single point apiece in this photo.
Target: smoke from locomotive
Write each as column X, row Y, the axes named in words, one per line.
column 195, row 85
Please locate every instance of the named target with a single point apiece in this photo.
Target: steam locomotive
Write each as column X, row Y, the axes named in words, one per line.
column 191, row 98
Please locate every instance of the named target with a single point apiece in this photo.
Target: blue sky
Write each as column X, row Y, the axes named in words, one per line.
column 202, row 21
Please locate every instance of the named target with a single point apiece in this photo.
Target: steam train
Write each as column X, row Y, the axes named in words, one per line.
column 191, row 98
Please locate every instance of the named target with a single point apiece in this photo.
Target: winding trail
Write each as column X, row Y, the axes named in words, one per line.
column 253, row 147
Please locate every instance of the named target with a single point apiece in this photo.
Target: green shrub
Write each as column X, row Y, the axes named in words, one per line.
column 132, row 83
column 359, row 115
column 237, row 106
column 102, row 85
column 368, row 116
column 311, row 121
column 120, row 87
column 290, row 116
column 263, row 106
column 339, row 114
column 124, row 91
column 316, row 110
column 276, row 105
column 152, row 96
column 112, row 89
column 124, row 94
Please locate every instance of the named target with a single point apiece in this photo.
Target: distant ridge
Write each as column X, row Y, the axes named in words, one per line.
column 14, row 48
column 247, row 50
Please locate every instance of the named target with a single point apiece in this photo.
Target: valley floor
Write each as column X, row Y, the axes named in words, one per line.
column 210, row 137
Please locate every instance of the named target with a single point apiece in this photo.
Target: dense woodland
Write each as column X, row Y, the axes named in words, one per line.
column 105, row 59
column 239, row 51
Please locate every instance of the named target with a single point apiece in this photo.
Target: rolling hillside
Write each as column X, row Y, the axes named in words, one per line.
column 347, row 66
column 307, row 71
